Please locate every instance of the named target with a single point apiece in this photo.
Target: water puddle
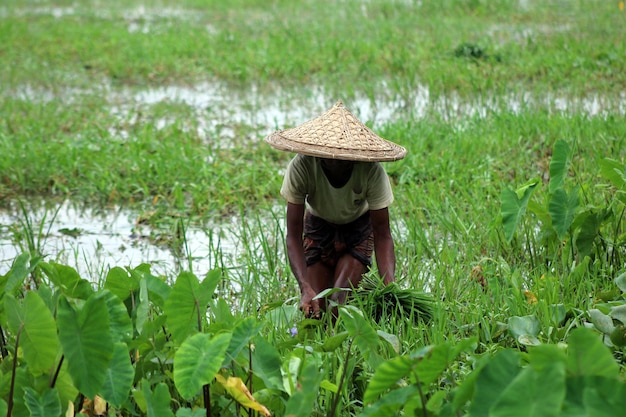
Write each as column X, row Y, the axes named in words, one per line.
column 93, row 241
column 213, row 110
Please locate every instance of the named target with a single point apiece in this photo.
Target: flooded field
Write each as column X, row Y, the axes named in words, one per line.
column 223, row 117
column 94, row 240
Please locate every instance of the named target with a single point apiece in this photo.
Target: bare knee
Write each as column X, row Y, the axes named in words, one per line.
column 348, row 274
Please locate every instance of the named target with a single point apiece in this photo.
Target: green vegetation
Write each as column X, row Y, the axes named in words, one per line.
column 509, row 213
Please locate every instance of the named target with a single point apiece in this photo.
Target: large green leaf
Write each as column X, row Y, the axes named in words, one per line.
column 158, row 289
column 188, row 412
column 513, row 208
column 45, row 405
column 333, row 342
column 387, row 376
column 601, row 321
column 545, row 356
column 119, row 376
column 121, row 283
column 605, row 398
column 302, row 400
column 38, row 337
column 439, row 358
column 121, row 325
column 210, row 283
column 427, row 364
column 197, row 361
column 87, row 343
column 588, row 356
column 391, row 403
column 243, row 331
column 493, row 379
column 559, row 164
column 67, row 280
column 266, row 362
column 618, row 312
column 364, row 335
column 158, row 403
column 589, row 232
column 562, row 209
column 21, row 268
column 142, row 307
column 615, row 172
column 183, row 309
column 524, row 329
column 533, row 393
column 391, row 339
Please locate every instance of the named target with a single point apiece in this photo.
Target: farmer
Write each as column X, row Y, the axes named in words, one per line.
column 337, row 196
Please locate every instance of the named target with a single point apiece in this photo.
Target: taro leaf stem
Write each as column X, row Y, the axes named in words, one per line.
column 341, row 381
column 53, row 380
column 80, row 403
column 207, row 399
column 11, row 390
column 421, row 391
column 199, row 316
column 250, row 373
column 3, row 344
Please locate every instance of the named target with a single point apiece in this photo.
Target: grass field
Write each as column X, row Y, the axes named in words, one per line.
column 160, row 107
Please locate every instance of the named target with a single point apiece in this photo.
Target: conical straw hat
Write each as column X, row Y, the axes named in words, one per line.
column 336, row 134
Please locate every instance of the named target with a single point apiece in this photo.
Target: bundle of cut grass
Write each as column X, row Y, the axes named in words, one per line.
column 384, row 301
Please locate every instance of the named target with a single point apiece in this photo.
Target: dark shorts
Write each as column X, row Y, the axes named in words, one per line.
column 326, row 242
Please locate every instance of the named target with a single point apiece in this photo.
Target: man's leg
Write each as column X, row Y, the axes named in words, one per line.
column 348, row 274
column 320, row 277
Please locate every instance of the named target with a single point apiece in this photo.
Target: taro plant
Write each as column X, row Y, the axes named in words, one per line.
column 609, row 317
column 136, row 346
column 570, row 223
column 411, row 382
column 577, row 378
column 143, row 346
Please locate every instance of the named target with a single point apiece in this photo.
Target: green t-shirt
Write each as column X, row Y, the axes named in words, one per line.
column 367, row 189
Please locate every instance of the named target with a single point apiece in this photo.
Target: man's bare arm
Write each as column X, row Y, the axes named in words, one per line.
column 383, row 245
column 297, row 261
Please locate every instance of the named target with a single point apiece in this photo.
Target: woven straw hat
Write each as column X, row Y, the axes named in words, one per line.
column 336, row 134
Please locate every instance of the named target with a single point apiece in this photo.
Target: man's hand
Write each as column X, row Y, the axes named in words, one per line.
column 309, row 306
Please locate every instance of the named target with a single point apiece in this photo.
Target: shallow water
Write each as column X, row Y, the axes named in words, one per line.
column 93, row 241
